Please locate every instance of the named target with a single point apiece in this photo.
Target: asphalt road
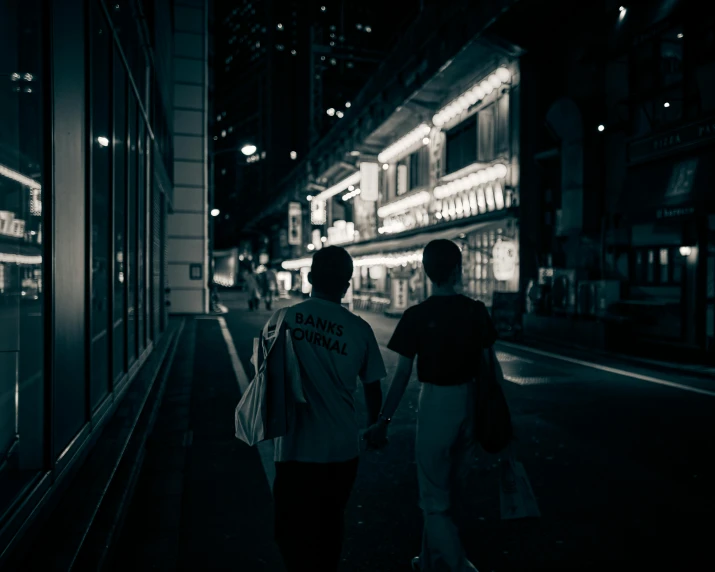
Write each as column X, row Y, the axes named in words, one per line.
column 621, row 463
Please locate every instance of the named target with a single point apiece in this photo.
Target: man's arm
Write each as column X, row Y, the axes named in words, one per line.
column 373, row 400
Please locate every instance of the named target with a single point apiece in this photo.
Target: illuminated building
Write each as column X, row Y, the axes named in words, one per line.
column 447, row 172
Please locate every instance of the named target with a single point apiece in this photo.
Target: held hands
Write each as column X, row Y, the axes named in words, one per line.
column 376, row 435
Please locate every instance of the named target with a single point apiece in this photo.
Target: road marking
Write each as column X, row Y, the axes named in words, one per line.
column 614, row 370
column 241, row 376
column 507, row 357
column 265, row 449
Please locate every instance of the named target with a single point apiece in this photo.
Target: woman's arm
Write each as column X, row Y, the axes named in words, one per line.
column 397, row 387
column 376, row 434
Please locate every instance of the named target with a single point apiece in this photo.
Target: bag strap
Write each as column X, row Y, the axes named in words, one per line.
column 280, row 318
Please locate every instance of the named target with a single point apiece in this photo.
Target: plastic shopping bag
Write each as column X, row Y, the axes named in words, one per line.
column 516, row 496
column 251, row 416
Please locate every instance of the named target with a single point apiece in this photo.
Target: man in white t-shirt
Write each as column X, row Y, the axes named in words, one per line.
column 316, row 463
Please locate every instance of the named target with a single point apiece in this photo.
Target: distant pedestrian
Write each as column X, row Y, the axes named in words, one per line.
column 252, row 287
column 316, row 463
column 271, row 287
column 445, row 333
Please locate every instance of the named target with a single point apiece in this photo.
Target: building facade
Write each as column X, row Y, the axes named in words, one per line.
column 443, row 163
column 616, row 146
column 188, row 223
column 87, row 165
column 608, row 170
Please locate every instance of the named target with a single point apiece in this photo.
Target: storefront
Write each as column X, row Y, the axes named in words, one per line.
column 669, row 210
column 389, row 276
column 398, row 260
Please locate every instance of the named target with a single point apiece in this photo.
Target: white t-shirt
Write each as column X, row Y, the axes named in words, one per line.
column 334, row 348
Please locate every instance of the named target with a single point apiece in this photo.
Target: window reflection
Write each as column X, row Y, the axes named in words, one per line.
column 120, row 153
column 21, row 235
column 132, row 231
column 101, row 110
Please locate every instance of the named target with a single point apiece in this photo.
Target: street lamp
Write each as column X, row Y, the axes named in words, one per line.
column 215, row 212
column 248, row 150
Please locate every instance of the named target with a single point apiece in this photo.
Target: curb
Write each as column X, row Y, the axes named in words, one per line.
column 589, row 353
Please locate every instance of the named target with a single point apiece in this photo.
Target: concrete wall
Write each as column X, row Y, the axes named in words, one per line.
column 188, row 238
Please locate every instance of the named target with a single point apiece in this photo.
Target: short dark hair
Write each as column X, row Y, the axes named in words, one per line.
column 440, row 259
column 331, row 270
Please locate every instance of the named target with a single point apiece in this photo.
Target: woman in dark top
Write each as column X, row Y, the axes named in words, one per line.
column 447, row 332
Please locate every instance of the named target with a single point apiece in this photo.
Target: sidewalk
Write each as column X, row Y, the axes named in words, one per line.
column 202, row 501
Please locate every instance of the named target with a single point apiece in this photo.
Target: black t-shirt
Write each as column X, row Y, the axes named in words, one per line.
column 446, row 333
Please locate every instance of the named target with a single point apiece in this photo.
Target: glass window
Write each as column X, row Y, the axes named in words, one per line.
column 462, row 145
column 120, row 179
column 651, row 266
column 141, row 234
column 638, row 267
column 487, row 139
column 418, row 164
column 664, row 278
column 22, row 133
column 100, row 157
column 401, row 179
column 502, row 125
column 132, row 218
column 678, row 263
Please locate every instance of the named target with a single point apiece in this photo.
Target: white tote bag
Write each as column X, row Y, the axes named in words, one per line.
column 270, row 388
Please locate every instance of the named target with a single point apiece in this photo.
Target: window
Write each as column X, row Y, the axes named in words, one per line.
column 701, row 55
column 502, row 125
column 120, row 217
column 479, row 282
column 401, row 179
column 412, row 172
column 132, row 218
column 656, row 80
column 22, row 192
column 142, row 255
column 462, row 145
column 487, row 127
column 419, row 168
column 100, row 56
column 657, row 266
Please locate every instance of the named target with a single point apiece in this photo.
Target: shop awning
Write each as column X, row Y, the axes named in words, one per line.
column 401, row 244
column 17, row 252
column 666, row 189
column 418, row 240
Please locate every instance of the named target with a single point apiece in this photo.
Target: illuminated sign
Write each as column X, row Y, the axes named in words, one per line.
column 295, row 224
column 369, row 176
column 505, row 256
column 318, row 214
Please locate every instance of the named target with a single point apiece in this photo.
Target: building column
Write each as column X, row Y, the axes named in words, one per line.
column 188, row 222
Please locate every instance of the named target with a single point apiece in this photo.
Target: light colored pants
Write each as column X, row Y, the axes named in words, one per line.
column 445, row 453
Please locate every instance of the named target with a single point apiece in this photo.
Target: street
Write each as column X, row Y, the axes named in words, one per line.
column 621, row 465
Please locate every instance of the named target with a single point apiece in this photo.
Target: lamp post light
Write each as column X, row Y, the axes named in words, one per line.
column 248, row 149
